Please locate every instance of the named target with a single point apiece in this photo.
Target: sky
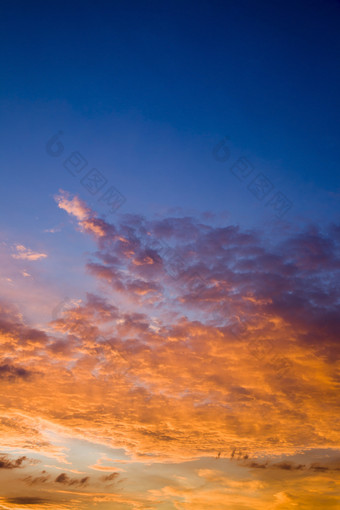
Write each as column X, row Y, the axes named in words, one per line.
column 169, row 255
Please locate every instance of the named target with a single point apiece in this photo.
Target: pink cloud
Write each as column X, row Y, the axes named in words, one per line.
column 24, row 253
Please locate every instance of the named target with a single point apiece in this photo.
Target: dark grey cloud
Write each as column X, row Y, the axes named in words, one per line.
column 26, row 500
column 12, row 372
column 8, row 463
column 111, row 477
column 64, row 479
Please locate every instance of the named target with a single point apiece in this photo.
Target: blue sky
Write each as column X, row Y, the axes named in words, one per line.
column 144, row 92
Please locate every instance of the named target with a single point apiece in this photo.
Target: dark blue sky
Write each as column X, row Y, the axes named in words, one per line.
column 145, row 90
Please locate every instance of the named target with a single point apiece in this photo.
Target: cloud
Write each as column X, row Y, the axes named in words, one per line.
column 203, row 340
column 227, row 285
column 37, row 480
column 111, row 477
column 6, row 463
column 12, row 372
column 52, row 230
column 24, row 253
column 64, row 479
column 26, row 500
column 101, row 467
column 73, row 206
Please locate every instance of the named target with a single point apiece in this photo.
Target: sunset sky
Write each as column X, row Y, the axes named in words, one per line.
column 170, row 255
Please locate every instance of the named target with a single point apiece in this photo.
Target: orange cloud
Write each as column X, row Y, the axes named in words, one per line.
column 230, row 357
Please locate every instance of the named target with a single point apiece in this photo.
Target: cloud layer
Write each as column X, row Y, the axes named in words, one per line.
column 203, row 342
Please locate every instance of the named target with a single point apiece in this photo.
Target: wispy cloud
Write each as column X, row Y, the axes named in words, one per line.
column 23, row 253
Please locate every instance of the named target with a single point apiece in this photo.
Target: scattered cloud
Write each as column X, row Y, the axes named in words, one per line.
column 64, row 479
column 7, row 463
column 23, row 253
